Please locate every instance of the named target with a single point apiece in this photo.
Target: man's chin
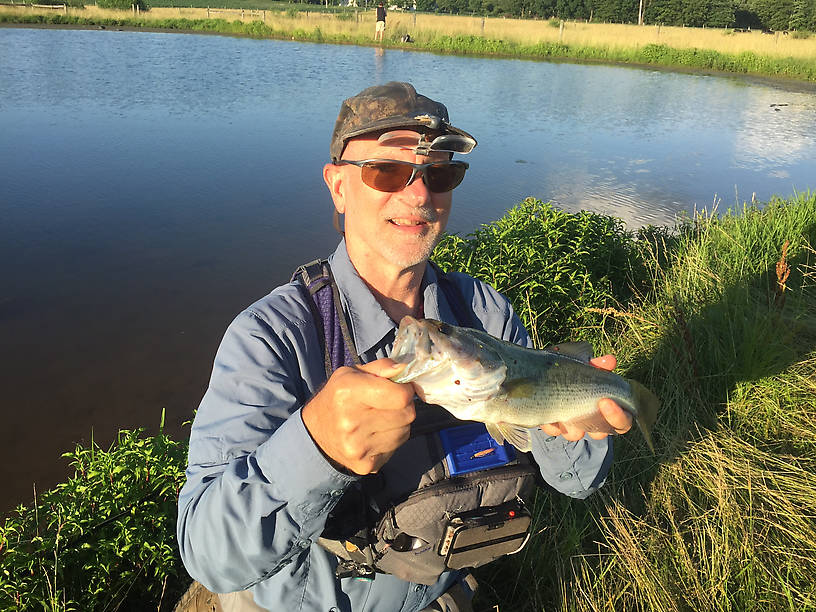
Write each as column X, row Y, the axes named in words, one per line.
column 408, row 258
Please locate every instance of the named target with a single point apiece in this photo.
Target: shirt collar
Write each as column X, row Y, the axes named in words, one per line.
column 369, row 322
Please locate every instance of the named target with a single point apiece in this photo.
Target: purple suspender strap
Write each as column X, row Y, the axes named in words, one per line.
column 327, row 311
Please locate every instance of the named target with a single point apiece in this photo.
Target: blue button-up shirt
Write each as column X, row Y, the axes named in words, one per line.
column 259, row 490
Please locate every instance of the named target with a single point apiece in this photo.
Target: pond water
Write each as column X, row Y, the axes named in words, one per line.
column 155, row 184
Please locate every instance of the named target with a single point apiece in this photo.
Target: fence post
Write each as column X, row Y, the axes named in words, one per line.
column 208, row 12
column 483, row 20
column 242, row 14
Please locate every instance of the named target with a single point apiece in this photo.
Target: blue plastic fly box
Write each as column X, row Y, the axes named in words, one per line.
column 469, row 448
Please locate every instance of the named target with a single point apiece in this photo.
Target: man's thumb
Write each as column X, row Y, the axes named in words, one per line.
column 384, row 367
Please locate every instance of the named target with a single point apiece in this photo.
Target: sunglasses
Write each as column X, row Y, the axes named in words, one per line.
column 391, row 175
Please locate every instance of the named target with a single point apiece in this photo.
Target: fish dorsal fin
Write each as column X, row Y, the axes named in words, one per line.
column 578, row 350
column 518, row 388
column 515, row 434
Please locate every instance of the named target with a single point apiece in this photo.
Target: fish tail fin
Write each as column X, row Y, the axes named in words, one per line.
column 647, row 407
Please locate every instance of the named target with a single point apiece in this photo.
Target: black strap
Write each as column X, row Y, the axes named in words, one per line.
column 312, row 279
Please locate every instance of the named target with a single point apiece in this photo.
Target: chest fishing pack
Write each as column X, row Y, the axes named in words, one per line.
column 451, row 497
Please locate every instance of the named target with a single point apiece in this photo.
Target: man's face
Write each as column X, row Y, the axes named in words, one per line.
column 390, row 231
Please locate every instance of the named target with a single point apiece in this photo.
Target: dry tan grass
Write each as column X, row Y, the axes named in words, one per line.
column 423, row 26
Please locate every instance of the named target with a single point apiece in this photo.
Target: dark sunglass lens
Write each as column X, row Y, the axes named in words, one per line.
column 453, row 143
column 386, row 176
column 444, row 177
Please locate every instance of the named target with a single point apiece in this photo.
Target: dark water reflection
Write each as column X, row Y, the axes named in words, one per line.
column 154, row 184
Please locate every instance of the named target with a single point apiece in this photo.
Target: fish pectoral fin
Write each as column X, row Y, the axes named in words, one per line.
column 518, row 388
column 516, row 435
column 582, row 351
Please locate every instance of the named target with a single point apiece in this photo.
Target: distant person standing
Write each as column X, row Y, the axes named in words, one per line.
column 380, row 28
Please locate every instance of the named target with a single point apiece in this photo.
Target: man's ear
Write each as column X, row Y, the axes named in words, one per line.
column 333, row 176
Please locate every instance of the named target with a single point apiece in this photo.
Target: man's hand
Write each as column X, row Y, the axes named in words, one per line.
column 359, row 418
column 617, row 417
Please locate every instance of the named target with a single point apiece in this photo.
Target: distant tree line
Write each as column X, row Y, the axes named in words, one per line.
column 773, row 15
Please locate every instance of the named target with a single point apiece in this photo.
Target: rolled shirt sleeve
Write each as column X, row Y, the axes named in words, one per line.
column 258, row 489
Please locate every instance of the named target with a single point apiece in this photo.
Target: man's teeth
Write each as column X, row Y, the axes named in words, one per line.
column 406, row 222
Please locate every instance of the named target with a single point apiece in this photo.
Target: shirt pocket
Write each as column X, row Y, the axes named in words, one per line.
column 206, row 451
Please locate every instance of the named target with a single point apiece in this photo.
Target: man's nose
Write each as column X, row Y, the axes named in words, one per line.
column 417, row 189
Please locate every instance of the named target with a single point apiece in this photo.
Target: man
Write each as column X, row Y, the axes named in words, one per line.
column 379, row 29
column 278, row 447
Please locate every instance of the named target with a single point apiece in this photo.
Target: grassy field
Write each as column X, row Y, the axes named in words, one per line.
column 705, row 48
column 421, row 26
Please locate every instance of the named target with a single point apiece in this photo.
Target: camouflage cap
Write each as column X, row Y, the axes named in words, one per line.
column 385, row 107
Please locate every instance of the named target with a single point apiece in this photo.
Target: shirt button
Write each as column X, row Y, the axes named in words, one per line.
column 333, row 609
column 566, row 475
column 304, row 544
column 418, row 588
column 550, row 439
column 337, row 493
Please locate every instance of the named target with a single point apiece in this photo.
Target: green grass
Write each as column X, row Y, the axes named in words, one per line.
column 718, row 317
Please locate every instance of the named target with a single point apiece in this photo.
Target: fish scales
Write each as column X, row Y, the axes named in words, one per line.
column 511, row 388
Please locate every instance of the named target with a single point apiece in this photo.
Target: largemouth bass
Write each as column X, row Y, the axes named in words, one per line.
column 511, row 388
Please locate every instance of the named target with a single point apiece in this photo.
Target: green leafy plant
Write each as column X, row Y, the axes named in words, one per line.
column 104, row 535
column 553, row 265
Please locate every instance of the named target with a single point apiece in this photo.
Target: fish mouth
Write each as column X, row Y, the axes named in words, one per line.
column 440, row 356
column 417, row 346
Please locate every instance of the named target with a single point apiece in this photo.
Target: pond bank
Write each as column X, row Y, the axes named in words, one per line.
column 353, row 29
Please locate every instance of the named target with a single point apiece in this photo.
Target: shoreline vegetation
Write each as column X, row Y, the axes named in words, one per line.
column 699, row 49
column 716, row 315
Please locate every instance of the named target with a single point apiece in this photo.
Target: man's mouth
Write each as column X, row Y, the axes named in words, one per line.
column 406, row 222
